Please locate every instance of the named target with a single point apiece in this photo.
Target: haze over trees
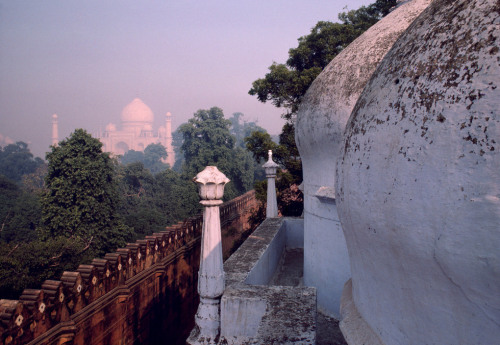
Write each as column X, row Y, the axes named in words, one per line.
column 286, row 83
column 16, row 160
column 85, row 203
column 90, row 203
column 151, row 158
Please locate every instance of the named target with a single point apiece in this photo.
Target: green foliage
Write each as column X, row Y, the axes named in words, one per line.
column 16, row 160
column 19, row 212
column 151, row 158
column 241, row 129
column 132, row 156
column 208, row 141
column 259, row 143
column 286, row 84
column 81, row 199
column 27, row 265
column 149, row 203
column 177, row 139
column 153, row 155
column 287, row 156
column 21, row 219
column 177, row 197
column 35, row 181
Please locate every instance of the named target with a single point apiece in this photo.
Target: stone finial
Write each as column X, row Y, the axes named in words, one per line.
column 210, row 183
column 270, row 166
column 272, row 205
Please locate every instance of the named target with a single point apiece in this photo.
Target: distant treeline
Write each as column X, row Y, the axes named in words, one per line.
column 84, row 203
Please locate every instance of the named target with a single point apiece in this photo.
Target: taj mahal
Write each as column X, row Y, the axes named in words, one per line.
column 135, row 131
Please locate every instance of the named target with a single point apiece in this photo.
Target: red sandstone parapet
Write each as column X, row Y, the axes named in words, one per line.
column 61, row 303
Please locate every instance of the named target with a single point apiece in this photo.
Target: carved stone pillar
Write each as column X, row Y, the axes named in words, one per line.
column 272, row 205
column 211, row 274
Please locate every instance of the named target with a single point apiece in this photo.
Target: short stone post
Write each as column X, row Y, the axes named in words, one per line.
column 211, row 274
column 272, row 205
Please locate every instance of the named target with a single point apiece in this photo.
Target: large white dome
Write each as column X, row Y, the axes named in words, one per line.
column 418, row 190
column 137, row 111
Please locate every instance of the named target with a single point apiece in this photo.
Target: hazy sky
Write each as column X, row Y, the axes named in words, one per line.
column 86, row 60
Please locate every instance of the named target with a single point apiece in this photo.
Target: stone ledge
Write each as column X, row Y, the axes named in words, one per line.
column 255, row 313
column 252, row 314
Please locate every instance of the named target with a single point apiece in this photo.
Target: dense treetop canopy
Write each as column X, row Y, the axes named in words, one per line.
column 81, row 197
column 151, row 158
column 16, row 160
column 208, row 141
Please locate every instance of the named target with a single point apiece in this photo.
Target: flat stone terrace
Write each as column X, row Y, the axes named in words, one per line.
column 253, row 311
column 265, row 301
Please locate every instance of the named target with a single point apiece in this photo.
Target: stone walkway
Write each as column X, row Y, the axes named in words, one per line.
column 290, row 273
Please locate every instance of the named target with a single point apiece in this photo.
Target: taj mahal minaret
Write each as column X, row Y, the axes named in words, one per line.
column 168, row 140
column 55, row 132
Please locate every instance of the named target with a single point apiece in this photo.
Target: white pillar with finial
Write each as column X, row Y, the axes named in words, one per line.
column 55, row 132
column 211, row 184
column 272, row 205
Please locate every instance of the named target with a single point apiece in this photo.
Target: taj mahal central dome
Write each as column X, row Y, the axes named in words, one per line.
column 137, row 112
column 136, row 131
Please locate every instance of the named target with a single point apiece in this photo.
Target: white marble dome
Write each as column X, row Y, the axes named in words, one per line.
column 418, row 182
column 136, row 111
column 321, row 120
column 328, row 103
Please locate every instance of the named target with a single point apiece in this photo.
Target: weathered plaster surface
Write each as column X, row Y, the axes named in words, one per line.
column 263, row 314
column 353, row 326
column 321, row 120
column 418, row 182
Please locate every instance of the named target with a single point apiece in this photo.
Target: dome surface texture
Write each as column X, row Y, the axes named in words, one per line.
column 418, row 182
column 321, row 120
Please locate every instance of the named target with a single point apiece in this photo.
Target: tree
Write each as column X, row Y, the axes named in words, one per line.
column 177, row 140
column 19, row 212
column 149, row 203
column 26, row 265
column 208, row 141
column 132, row 156
column 286, row 154
column 16, row 160
column 81, row 199
column 151, row 158
column 241, row 129
column 259, row 143
column 286, row 84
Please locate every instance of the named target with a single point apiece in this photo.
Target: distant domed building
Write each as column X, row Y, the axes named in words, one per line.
column 136, row 132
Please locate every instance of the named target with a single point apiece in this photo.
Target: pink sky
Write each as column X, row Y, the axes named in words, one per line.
column 86, row 60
